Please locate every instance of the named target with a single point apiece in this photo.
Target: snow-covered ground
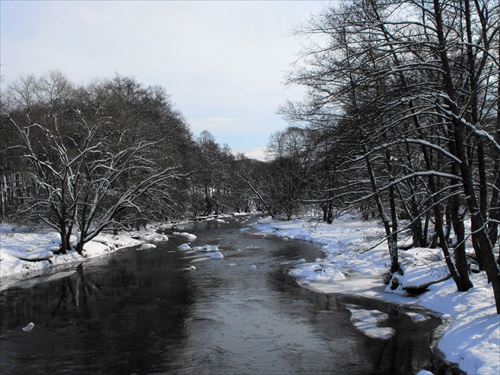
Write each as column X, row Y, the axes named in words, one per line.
column 355, row 262
column 25, row 252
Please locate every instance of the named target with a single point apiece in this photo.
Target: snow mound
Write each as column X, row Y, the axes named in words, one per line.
column 186, row 235
column 416, row 317
column 184, row 246
column 147, row 246
column 198, row 260
column 29, row 327
column 215, row 255
column 206, row 248
column 425, row 372
column 418, row 278
column 420, row 256
column 321, row 272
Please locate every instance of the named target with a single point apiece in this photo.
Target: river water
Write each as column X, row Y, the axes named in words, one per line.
column 145, row 312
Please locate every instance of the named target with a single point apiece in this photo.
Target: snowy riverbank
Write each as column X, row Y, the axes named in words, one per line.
column 26, row 253
column 471, row 337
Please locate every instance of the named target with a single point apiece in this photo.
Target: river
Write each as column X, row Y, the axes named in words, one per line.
column 149, row 312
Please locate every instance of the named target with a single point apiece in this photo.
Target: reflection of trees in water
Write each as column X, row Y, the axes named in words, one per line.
column 76, row 290
column 126, row 316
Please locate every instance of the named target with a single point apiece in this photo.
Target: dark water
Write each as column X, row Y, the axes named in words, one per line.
column 142, row 312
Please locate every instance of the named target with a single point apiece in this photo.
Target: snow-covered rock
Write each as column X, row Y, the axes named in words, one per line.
column 29, row 327
column 184, row 247
column 420, row 277
column 206, row 248
column 321, row 271
column 147, row 246
column 215, row 255
column 186, row 235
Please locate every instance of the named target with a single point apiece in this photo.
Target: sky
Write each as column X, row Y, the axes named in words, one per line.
column 223, row 63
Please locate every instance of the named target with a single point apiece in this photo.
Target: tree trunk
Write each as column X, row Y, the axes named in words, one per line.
column 392, row 236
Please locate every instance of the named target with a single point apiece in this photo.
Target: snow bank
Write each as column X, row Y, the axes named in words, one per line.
column 471, row 337
column 24, row 252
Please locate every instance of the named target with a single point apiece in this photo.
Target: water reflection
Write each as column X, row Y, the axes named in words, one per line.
column 109, row 318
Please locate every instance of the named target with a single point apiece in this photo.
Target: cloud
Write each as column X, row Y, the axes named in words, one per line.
column 259, row 153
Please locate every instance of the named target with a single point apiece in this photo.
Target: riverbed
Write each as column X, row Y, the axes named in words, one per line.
column 164, row 310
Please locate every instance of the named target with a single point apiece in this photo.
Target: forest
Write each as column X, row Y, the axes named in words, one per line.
column 401, row 122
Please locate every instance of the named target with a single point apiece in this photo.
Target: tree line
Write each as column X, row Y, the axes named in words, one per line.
column 112, row 154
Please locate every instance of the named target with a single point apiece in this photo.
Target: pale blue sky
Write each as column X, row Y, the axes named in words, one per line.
column 222, row 62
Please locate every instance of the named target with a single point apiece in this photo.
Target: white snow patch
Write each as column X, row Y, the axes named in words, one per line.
column 147, row 246
column 206, row 248
column 29, row 327
column 367, row 321
column 25, row 252
column 416, row 317
column 215, row 255
column 319, row 272
column 200, row 259
column 186, row 235
column 425, row 372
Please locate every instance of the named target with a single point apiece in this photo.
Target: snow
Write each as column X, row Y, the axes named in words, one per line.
column 215, row 255
column 318, row 272
column 206, row 248
column 184, row 247
column 147, row 246
column 367, row 321
column 356, row 258
column 206, row 251
column 25, row 252
column 186, row 235
column 29, row 327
